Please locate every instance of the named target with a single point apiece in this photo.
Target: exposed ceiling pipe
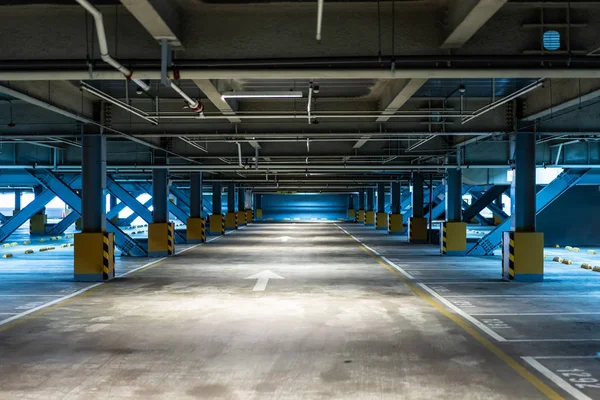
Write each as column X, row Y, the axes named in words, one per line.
column 303, row 116
column 104, row 46
column 319, row 18
column 121, row 104
column 309, row 106
column 195, row 105
column 68, row 114
column 510, row 97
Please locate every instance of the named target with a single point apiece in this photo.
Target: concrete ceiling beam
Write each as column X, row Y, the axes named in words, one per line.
column 466, row 17
column 159, row 17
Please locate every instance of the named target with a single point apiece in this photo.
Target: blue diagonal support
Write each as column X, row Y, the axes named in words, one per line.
column 129, row 220
column 439, row 208
column 439, row 189
column 114, row 212
column 497, row 211
column 482, row 201
column 64, row 224
column 3, row 218
column 127, row 245
column 563, row 182
column 182, row 198
column 178, row 212
column 25, row 214
column 481, row 219
column 138, row 208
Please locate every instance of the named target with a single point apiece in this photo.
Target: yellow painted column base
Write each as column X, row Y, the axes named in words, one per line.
column 196, row 230
column 523, row 256
column 351, row 213
column 453, row 238
column 216, row 223
column 161, row 241
column 417, row 230
column 241, row 218
column 78, row 224
column 94, row 257
column 369, row 217
column 395, row 224
column 37, row 224
column 381, row 220
column 259, row 213
column 249, row 216
column 497, row 220
column 360, row 216
column 231, row 221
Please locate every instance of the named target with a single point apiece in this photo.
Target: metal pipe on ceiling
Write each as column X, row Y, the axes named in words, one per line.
column 319, row 18
column 104, row 54
column 304, row 116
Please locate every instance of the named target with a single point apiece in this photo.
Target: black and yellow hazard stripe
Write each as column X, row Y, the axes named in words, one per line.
column 106, row 258
column 389, row 223
column 236, row 220
column 202, row 230
column 511, row 255
column 444, row 238
column 222, row 224
column 170, row 242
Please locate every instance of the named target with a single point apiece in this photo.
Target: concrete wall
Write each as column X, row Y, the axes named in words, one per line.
column 573, row 219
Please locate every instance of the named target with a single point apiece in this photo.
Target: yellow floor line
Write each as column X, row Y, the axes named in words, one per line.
column 531, row 378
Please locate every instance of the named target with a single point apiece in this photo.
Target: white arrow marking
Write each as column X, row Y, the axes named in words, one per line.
column 262, row 278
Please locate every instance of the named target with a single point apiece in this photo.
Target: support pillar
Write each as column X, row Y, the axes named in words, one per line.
column 231, row 221
column 370, row 207
column 258, row 206
column 453, row 238
column 381, row 218
column 113, row 203
column 249, row 206
column 351, row 211
column 522, row 246
column 360, row 214
column 37, row 223
column 94, row 247
column 241, row 213
column 396, row 222
column 498, row 203
column 161, row 231
column 217, row 219
column 417, row 224
column 17, row 201
column 196, row 227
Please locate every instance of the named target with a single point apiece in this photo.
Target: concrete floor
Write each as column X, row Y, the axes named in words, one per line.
column 389, row 320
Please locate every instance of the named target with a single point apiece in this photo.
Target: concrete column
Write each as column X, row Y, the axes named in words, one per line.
column 17, row 200
column 395, row 195
column 361, row 199
column 93, row 180
column 231, row 198
column 453, row 195
column 94, row 257
column 160, row 196
column 522, row 190
column 258, row 201
column 370, row 199
column 417, row 195
column 523, row 247
column 216, row 198
column 350, row 201
column 380, row 197
column 196, row 195
column 242, row 218
column 37, row 190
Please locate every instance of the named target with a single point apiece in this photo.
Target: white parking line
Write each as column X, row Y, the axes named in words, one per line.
column 95, row 285
column 397, row 268
column 551, row 340
column 535, row 313
column 556, row 379
column 527, row 295
column 562, row 357
column 463, row 314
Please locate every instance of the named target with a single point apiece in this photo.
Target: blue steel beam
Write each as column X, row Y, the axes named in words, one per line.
column 138, row 208
column 3, row 218
column 65, row 223
column 178, row 212
column 563, row 182
column 440, row 208
column 129, row 220
column 127, row 245
column 436, row 192
column 480, row 218
column 25, row 214
column 183, row 199
column 484, row 200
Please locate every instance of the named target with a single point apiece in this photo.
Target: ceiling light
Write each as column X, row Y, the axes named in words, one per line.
column 262, row 95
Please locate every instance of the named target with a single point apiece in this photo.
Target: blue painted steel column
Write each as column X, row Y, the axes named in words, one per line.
column 395, row 196
column 454, row 195
column 231, row 198
column 196, row 195
column 160, row 196
column 350, row 201
column 522, row 190
column 113, row 201
column 93, row 180
column 370, row 199
column 380, row 197
column 17, row 200
column 258, row 201
column 417, row 195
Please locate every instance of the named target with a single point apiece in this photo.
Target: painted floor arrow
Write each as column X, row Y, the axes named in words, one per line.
column 262, row 279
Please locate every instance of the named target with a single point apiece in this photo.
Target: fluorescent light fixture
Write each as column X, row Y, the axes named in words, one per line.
column 262, row 95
